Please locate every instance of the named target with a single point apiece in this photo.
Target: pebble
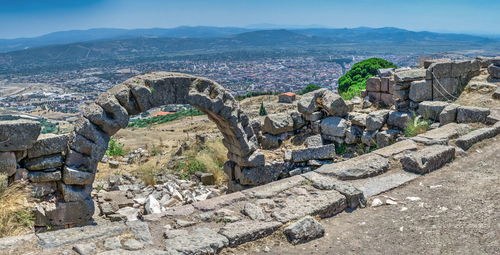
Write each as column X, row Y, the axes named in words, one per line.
column 377, row 202
column 413, row 198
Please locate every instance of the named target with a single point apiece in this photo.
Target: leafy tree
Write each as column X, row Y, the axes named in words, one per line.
column 262, row 110
column 354, row 81
column 309, row 88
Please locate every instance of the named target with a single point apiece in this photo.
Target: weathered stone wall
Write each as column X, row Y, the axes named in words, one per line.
column 439, row 80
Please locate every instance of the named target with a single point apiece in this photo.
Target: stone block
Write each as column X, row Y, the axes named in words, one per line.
column 261, row 174
column 440, row 70
column 428, row 159
column 77, row 177
column 358, row 119
column 48, row 144
column 18, row 135
column 466, row 141
column 313, row 116
column 8, row 163
column 374, row 96
column 333, row 104
column 44, row 162
column 421, row 90
column 410, row 75
column 247, row 231
column 373, row 84
column 353, row 135
column 369, row 138
column 445, row 89
column 322, row 152
column 449, row 114
column 398, row 119
column 353, row 195
column 268, row 141
column 471, row 114
column 384, row 84
column 376, row 120
column 72, row 193
column 197, row 241
column 220, row 201
column 401, row 94
column 333, row 126
column 387, row 137
column 397, row 148
column 431, row 109
column 44, row 176
column 314, row 141
column 274, row 188
column 387, row 99
column 494, row 71
column 304, row 230
column 276, row 124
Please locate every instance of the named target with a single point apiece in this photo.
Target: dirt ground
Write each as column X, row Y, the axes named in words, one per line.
column 458, row 213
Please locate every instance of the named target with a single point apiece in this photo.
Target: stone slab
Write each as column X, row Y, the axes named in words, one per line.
column 272, row 189
column 18, row 135
column 359, row 167
column 380, row 184
column 247, row 231
column 466, row 141
column 197, row 241
column 428, row 159
column 397, row 148
column 323, row 204
column 48, row 144
column 217, row 202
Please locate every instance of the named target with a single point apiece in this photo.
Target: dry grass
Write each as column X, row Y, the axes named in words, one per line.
column 16, row 217
column 148, row 172
column 209, row 157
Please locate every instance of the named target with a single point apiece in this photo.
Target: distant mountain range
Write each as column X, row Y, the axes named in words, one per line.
column 388, row 34
column 79, row 48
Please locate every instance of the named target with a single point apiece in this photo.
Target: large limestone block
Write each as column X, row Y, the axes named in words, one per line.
column 333, row 104
column 247, row 231
column 410, row 75
column 440, row 70
column 387, row 137
column 96, row 114
column 18, row 135
column 428, row 159
column 112, row 107
column 124, row 95
column 279, row 123
column 470, row 114
column 322, row 152
column 8, row 163
column 446, row 88
column 48, row 144
column 307, row 103
column 74, row 176
column 334, row 126
column 466, row 141
column 358, row 119
column 431, row 109
column 304, row 230
column 197, row 241
column 421, row 90
column 44, row 176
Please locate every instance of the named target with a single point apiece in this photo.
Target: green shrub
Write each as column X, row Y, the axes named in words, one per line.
column 340, row 148
column 416, row 126
column 309, row 88
column 115, row 148
column 354, row 81
column 262, row 110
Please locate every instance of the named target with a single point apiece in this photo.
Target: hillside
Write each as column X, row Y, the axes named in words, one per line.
column 151, row 45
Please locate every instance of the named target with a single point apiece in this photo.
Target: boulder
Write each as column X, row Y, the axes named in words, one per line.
column 431, row 109
column 358, row 119
column 333, row 104
column 376, row 120
column 298, row 120
column 428, row 159
column 421, row 90
column 449, row 114
column 18, row 135
column 279, row 123
column 323, row 152
column 494, row 71
column 8, row 163
column 387, row 137
column 470, row 114
column 304, row 230
column 334, row 126
column 410, row 75
column 307, row 103
column 398, row 119
column 152, row 205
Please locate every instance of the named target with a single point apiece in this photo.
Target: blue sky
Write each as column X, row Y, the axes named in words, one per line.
column 26, row 18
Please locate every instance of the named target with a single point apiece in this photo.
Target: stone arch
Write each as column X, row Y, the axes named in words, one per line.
column 110, row 112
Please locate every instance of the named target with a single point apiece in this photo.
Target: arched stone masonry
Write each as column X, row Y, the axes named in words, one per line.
column 110, row 112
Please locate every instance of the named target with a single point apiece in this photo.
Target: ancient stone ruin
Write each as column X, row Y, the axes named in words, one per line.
column 310, row 180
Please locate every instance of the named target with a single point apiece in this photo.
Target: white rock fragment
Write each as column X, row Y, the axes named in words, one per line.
column 413, row 198
column 377, row 202
column 404, row 209
column 152, row 205
column 391, row 202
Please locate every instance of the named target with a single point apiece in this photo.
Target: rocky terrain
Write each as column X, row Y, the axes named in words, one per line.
column 319, row 157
